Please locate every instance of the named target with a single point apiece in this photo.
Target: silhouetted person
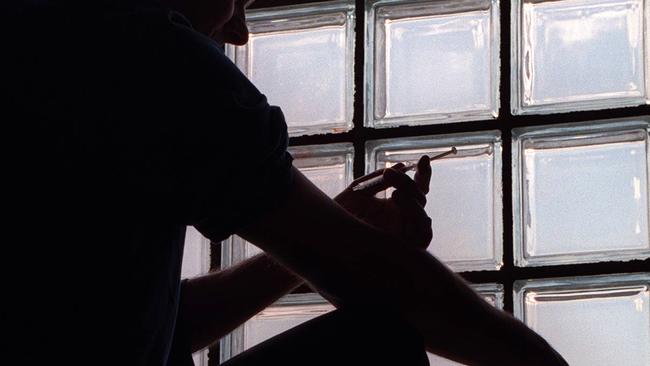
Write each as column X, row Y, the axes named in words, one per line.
column 124, row 123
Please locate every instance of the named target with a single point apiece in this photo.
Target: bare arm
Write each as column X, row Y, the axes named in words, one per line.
column 351, row 262
column 215, row 304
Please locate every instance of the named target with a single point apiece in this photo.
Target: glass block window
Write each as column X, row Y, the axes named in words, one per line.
column 581, row 192
column 329, row 167
column 571, row 196
column 288, row 312
column 301, row 58
column 578, row 54
column 431, row 61
column 464, row 201
column 591, row 321
column 492, row 293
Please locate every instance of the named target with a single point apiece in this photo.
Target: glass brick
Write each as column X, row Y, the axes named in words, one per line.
column 200, row 358
column 196, row 254
column 288, row 312
column 301, row 57
column 591, row 321
column 571, row 55
column 329, row 167
column 492, row 293
column 465, row 197
column 580, row 192
column 431, row 62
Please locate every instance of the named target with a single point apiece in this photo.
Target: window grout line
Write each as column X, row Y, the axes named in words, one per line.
column 358, row 137
column 502, row 123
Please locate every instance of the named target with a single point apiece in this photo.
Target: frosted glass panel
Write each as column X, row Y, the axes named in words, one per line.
column 584, row 194
column 458, row 78
column 290, row 311
column 578, row 202
column 493, row 294
column 579, row 54
column 330, row 179
column 278, row 319
column 464, row 201
column 329, row 167
column 301, row 59
column 600, row 321
column 196, row 256
column 433, row 62
column 200, row 358
column 283, row 69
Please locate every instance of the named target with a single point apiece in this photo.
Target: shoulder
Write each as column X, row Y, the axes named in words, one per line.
column 202, row 64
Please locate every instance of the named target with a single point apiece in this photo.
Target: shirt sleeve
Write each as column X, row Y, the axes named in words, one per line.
column 235, row 164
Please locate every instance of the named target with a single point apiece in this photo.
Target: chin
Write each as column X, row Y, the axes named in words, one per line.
column 237, row 40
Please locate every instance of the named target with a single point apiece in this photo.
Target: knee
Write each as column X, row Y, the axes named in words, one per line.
column 392, row 340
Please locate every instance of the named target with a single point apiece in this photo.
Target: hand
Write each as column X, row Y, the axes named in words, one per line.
column 402, row 214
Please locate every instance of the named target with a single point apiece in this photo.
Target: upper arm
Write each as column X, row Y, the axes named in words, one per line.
column 233, row 164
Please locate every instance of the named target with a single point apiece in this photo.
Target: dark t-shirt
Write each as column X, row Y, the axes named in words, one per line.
column 122, row 126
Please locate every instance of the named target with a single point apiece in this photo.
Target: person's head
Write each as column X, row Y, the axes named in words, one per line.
column 222, row 20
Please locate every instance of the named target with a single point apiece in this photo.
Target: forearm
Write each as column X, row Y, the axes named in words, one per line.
column 215, row 304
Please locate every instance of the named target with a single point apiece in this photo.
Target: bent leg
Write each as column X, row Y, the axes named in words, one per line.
column 342, row 337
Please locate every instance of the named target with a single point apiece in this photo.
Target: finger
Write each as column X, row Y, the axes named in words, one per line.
column 404, row 183
column 374, row 174
column 409, row 206
column 374, row 183
column 423, row 174
column 420, row 234
column 417, row 224
column 364, row 178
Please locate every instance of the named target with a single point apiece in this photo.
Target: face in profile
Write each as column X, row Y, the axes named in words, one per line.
column 232, row 29
column 222, row 20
